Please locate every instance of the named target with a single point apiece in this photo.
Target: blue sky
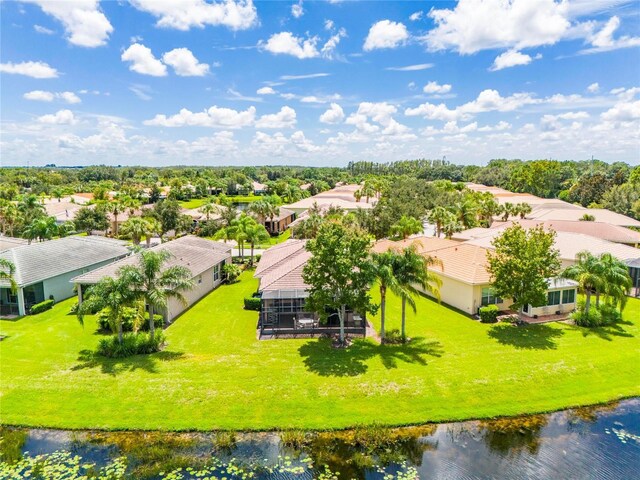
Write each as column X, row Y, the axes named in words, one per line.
column 318, row 83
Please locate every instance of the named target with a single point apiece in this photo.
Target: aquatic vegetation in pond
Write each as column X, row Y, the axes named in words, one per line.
column 66, row 466
column 11, row 443
column 512, row 435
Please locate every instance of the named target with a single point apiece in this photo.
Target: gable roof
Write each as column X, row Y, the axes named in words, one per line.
column 600, row 215
column 423, row 244
column 195, row 253
column 40, row 261
column 280, row 267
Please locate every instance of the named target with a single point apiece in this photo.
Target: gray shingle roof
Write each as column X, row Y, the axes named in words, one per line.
column 11, row 242
column 43, row 260
column 196, row 254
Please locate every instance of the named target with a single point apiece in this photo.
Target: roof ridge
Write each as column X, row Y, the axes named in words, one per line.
column 287, row 272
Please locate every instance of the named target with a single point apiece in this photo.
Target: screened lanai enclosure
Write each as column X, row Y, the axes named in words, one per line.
column 283, row 313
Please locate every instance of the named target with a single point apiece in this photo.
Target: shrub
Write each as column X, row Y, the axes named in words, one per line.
column 41, row 307
column 489, row 314
column 610, row 314
column 258, row 257
column 129, row 318
column 74, row 308
column 252, row 303
column 232, row 272
column 594, row 319
column 393, row 337
column 132, row 344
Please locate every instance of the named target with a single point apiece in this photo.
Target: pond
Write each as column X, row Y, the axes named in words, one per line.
column 583, row 443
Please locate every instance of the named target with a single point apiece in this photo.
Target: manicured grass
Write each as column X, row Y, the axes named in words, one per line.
column 215, row 374
column 198, row 202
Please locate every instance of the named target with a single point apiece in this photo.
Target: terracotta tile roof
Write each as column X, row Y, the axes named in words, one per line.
column 340, row 196
column 422, row 243
column 464, row 262
column 600, row 214
column 605, row 231
column 280, row 267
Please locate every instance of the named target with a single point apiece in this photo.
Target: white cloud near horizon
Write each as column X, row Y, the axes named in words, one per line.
column 45, row 96
column 29, row 69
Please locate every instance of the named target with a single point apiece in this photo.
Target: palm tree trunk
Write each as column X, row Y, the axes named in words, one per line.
column 587, row 303
column 152, row 323
column 383, row 307
column 251, row 260
column 115, row 224
column 597, row 299
column 120, row 331
column 404, row 310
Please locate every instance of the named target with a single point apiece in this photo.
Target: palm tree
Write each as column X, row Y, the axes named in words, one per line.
column 451, row 225
column 41, row 228
column 255, row 233
column 136, row 228
column 588, row 273
column 155, row 284
column 110, row 294
column 115, row 208
column 487, row 208
column 412, row 269
column 466, row 212
column 507, row 210
column 7, row 271
column 617, row 281
column 407, row 226
column 208, row 209
column 66, row 229
column 30, row 208
column 384, row 272
column 524, row 209
column 438, row 216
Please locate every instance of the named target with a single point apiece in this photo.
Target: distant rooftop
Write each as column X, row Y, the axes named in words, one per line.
column 42, row 260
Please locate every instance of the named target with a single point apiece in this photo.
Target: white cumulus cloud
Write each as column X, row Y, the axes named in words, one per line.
column 61, row 117
column 593, row 88
column 213, row 117
column 29, row 69
column 512, row 58
column 44, row 96
column 184, row 63
column 184, row 14
column 143, row 61
column 435, row 87
column 286, row 43
column 386, row 34
column 84, row 23
column 334, row 114
column 285, row 118
column 265, row 91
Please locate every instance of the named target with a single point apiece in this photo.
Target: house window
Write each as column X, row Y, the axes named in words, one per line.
column 489, row 297
column 568, row 296
column 199, row 279
column 553, row 298
column 216, row 272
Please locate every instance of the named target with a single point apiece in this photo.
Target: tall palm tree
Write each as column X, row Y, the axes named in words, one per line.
column 155, row 284
column 466, row 212
column 7, row 272
column 411, row 270
column 112, row 294
column 30, row 208
column 115, row 208
column 41, row 228
column 438, row 216
column 588, row 273
column 384, row 272
column 255, row 233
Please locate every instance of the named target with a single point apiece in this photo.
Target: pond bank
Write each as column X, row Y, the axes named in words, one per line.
column 587, row 442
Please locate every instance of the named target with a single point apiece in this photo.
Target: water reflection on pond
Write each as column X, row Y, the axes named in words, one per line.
column 591, row 442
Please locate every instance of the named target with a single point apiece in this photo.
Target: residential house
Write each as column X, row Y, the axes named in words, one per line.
column 259, row 188
column 283, row 294
column 204, row 258
column 341, row 196
column 278, row 224
column 466, row 282
column 43, row 269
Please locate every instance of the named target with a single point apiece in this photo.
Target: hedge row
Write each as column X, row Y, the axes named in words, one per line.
column 41, row 307
column 252, row 303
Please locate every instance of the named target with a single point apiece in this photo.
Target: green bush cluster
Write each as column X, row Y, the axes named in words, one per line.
column 42, row 307
column 132, row 344
column 393, row 337
column 489, row 314
column 598, row 316
column 252, row 303
column 129, row 318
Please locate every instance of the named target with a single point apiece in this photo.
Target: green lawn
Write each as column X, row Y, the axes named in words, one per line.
column 215, row 374
column 198, row 202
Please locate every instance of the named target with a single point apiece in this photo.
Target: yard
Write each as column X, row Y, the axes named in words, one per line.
column 214, row 374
